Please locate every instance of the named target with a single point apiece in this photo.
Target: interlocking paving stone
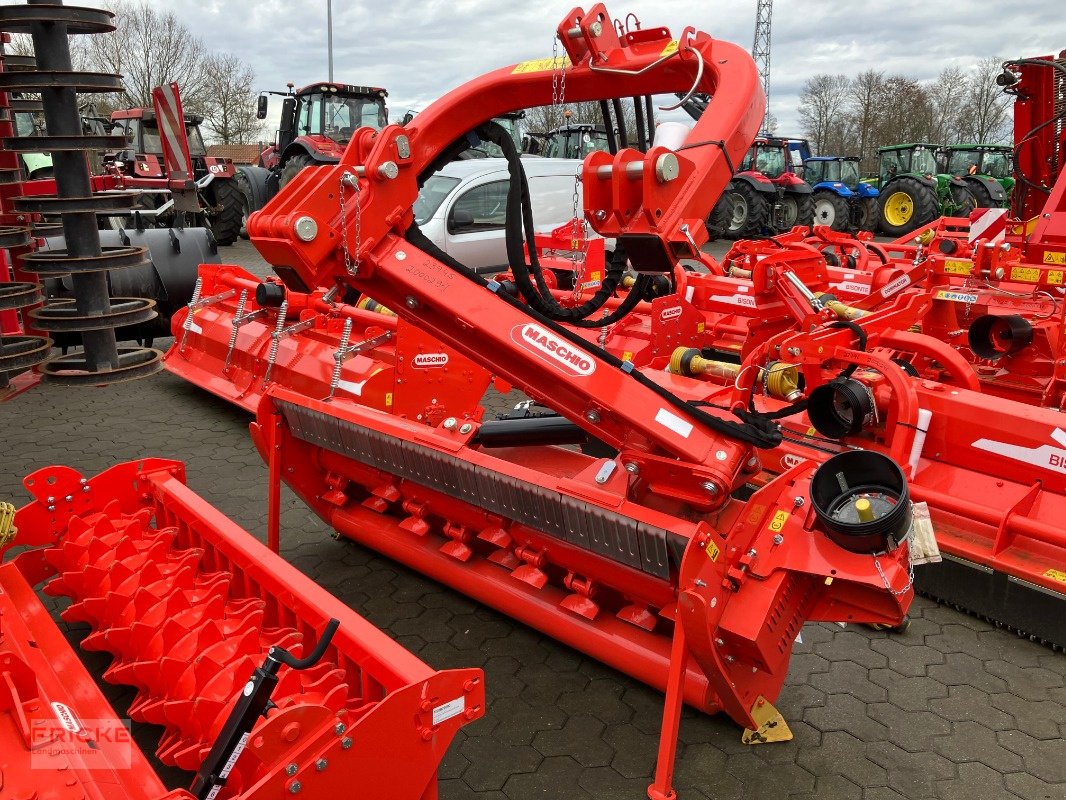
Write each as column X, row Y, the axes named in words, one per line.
column 560, row 722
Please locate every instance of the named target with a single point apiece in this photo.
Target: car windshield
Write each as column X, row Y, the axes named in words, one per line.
column 431, row 196
column 576, row 143
column 152, row 144
column 24, row 124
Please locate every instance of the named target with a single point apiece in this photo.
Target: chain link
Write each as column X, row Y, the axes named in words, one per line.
column 884, row 578
column 351, row 265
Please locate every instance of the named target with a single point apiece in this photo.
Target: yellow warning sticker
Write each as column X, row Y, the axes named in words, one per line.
column 671, row 47
column 627, row 356
column 777, row 524
column 388, row 398
column 1027, row 274
column 713, row 551
column 700, row 327
column 1054, row 258
column 1054, row 277
column 541, row 65
column 953, row 266
column 1056, row 575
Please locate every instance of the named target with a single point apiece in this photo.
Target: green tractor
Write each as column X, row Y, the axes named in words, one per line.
column 986, row 169
column 914, row 192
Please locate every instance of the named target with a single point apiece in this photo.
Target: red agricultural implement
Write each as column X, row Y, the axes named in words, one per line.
column 199, row 619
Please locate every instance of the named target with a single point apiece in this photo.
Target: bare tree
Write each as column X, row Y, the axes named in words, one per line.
column 546, row 118
column 862, row 101
column 947, row 96
column 229, row 104
column 985, row 117
column 822, row 108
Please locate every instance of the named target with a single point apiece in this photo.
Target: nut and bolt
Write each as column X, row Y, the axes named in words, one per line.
column 411, row 301
column 632, row 468
column 592, row 415
column 729, row 659
column 321, row 765
column 700, row 582
column 793, row 351
column 338, row 729
column 291, row 770
column 295, row 787
column 711, row 488
column 346, row 743
column 798, row 502
column 466, row 428
column 778, row 538
column 450, row 424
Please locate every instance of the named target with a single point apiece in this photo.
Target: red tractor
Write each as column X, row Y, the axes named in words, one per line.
column 317, row 122
column 174, row 171
column 765, row 195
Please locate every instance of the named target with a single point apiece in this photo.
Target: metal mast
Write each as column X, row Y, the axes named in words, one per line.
column 760, row 50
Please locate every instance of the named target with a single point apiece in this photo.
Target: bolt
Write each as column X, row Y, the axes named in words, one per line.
column 711, row 488
column 700, row 582
column 753, row 462
column 338, row 729
column 69, row 498
column 466, row 428
column 793, row 351
column 295, row 787
column 86, row 488
column 346, row 743
column 51, row 508
column 778, row 538
column 601, row 214
column 401, row 255
column 321, row 765
column 719, row 642
column 51, row 499
column 721, row 455
column 592, row 415
column 596, row 28
column 798, row 502
column 450, row 423
column 291, row 770
column 729, row 659
column 411, row 301
column 632, row 468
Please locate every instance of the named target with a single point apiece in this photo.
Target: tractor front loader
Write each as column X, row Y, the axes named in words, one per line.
column 265, row 685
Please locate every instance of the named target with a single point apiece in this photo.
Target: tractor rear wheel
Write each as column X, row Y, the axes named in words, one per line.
column 798, row 209
column 963, row 201
column 906, row 205
column 981, row 195
column 226, row 222
column 292, row 166
column 751, row 212
column 831, row 209
column 252, row 183
column 867, row 214
column 721, row 215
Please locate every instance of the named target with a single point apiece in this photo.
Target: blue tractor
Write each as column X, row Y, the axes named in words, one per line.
column 841, row 200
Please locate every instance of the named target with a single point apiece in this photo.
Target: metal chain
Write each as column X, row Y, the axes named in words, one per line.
column 884, row 578
column 351, row 265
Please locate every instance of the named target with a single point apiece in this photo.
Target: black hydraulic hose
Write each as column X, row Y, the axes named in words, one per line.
column 623, row 138
column 608, row 125
column 643, row 140
column 283, row 656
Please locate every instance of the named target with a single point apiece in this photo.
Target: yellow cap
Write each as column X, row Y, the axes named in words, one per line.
column 864, row 509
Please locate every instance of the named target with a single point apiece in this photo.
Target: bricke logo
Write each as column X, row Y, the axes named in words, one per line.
column 670, row 313
column 558, row 351
column 897, row 285
column 430, row 360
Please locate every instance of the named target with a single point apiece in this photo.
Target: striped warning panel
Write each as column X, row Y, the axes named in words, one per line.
column 989, row 224
column 171, row 121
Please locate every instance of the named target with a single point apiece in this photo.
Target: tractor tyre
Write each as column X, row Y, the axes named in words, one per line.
column 798, row 209
column 721, row 216
column 906, row 205
column 252, row 183
column 831, row 209
column 226, row 222
column 867, row 214
column 751, row 212
column 963, row 201
column 292, row 166
column 981, row 195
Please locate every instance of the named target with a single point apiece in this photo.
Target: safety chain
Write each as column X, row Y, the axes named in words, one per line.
column 351, row 265
column 884, row 578
column 558, row 77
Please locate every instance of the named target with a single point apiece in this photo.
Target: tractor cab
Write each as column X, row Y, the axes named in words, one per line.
column 771, row 157
column 832, row 169
column 573, row 140
column 987, row 170
column 906, row 159
column 318, row 121
column 141, row 129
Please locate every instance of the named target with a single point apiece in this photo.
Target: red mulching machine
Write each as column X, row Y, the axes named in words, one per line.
column 652, row 558
column 200, row 619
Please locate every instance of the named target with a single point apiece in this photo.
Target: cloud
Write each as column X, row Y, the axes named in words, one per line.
column 419, row 51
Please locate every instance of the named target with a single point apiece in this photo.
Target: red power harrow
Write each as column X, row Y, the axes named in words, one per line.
column 199, row 618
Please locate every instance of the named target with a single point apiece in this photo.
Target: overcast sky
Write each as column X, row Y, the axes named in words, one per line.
column 420, row 50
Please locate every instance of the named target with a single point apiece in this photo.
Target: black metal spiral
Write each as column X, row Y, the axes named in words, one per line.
column 92, row 313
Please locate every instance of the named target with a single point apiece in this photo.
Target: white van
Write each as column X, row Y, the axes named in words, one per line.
column 462, row 208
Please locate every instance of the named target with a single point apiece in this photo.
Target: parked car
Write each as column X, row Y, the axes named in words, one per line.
column 462, row 208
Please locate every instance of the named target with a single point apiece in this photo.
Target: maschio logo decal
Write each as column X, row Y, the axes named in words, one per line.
column 430, row 360
column 790, row 460
column 558, row 351
column 670, row 313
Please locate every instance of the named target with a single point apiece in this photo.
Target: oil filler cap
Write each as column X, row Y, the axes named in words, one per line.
column 861, row 499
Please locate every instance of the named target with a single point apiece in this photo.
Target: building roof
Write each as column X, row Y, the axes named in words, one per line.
column 239, row 153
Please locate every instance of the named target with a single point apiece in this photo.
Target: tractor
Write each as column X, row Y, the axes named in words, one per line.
column 34, row 165
column 572, row 140
column 765, row 193
column 914, row 193
column 986, row 168
column 143, row 164
column 317, row 122
column 841, row 200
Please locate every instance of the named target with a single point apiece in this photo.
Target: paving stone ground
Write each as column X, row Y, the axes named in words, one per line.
column 953, row 709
